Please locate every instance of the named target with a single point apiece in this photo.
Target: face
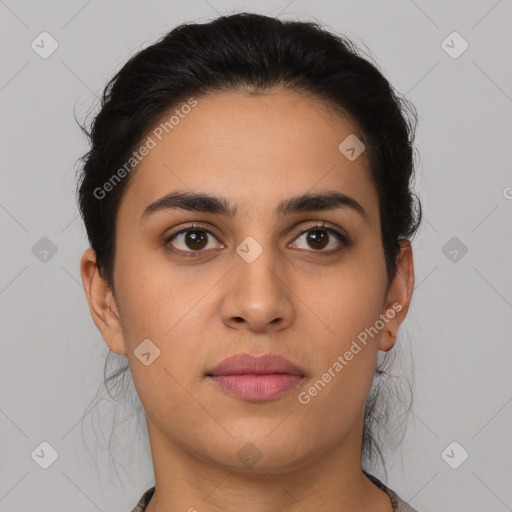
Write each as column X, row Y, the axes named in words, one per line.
column 305, row 280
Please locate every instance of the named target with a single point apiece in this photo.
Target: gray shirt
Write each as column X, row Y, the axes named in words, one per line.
column 398, row 504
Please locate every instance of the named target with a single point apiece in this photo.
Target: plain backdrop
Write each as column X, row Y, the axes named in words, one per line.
column 458, row 330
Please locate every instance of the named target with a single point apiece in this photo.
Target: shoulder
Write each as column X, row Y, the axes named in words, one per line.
column 399, row 505
column 144, row 500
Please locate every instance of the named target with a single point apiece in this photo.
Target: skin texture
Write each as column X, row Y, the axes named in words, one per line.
column 293, row 300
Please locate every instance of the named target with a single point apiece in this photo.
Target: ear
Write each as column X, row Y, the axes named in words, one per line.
column 102, row 304
column 398, row 296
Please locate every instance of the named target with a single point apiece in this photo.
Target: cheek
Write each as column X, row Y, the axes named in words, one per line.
column 153, row 301
column 165, row 308
column 161, row 310
column 349, row 300
column 348, row 306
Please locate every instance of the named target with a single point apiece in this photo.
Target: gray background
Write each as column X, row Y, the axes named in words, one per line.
column 457, row 330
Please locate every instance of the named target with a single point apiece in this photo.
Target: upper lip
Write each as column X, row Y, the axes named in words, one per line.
column 241, row 364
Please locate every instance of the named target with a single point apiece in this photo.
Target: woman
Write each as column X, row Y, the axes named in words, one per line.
column 247, row 198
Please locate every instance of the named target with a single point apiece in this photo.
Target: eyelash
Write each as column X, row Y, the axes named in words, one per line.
column 345, row 242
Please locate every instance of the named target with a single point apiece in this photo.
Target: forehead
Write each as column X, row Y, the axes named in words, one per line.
column 256, row 150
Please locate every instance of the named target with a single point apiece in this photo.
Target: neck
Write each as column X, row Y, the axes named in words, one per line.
column 332, row 480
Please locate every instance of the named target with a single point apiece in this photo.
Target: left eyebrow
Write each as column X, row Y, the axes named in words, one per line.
column 206, row 203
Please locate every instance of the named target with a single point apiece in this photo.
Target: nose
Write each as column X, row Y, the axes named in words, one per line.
column 257, row 295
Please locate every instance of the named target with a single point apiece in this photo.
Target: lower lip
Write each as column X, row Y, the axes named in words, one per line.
column 257, row 387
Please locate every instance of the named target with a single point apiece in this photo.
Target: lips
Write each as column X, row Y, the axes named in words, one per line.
column 256, row 378
column 266, row 364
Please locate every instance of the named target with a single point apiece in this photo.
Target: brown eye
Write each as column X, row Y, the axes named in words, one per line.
column 195, row 239
column 190, row 240
column 319, row 237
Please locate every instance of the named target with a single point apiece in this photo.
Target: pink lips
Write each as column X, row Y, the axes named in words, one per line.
column 256, row 378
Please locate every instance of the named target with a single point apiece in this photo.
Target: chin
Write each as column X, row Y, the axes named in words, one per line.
column 258, row 452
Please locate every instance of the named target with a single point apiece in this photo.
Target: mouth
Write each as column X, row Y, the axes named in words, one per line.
column 257, row 388
column 256, row 378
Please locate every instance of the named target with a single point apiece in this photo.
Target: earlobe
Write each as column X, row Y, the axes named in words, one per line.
column 388, row 336
column 102, row 304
